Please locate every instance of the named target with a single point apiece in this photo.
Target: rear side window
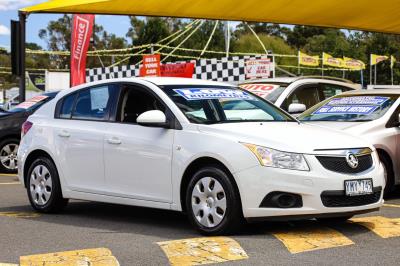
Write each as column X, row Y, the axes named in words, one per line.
column 67, row 105
column 93, row 103
column 329, row 90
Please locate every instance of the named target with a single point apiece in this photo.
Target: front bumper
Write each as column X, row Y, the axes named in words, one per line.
column 257, row 182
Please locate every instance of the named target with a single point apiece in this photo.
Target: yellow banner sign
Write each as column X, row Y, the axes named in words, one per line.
column 329, row 60
column 308, row 60
column 353, row 64
column 375, row 59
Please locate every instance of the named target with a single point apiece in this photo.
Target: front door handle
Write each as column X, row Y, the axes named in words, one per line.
column 114, row 140
column 64, row 134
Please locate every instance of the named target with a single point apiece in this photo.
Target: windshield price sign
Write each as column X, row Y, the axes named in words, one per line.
column 347, row 109
column 358, row 100
column 207, row 94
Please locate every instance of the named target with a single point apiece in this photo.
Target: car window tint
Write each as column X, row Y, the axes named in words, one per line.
column 305, row 95
column 329, row 90
column 67, row 105
column 134, row 101
column 93, row 103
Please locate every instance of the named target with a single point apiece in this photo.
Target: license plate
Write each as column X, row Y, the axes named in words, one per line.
column 358, row 187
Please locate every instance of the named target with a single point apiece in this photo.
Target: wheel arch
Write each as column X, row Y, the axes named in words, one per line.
column 32, row 156
column 383, row 153
column 196, row 165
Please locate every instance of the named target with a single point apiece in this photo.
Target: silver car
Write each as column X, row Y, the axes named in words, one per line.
column 369, row 114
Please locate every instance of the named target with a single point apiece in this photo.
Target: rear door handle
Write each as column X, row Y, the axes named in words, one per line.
column 114, row 140
column 64, row 134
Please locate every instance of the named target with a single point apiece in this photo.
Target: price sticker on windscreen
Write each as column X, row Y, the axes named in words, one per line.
column 209, row 94
column 347, row 109
column 31, row 102
column 359, row 100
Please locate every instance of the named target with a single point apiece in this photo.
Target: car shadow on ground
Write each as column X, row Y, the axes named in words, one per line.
column 111, row 218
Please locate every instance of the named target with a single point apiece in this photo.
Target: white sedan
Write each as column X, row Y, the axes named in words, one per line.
column 210, row 149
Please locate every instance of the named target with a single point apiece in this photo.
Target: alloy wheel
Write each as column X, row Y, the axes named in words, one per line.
column 208, row 202
column 8, row 156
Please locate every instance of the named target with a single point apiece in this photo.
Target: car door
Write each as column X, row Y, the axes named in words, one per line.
column 80, row 128
column 137, row 158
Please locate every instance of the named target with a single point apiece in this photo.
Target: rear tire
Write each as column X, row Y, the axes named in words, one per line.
column 213, row 203
column 335, row 220
column 43, row 187
column 8, row 156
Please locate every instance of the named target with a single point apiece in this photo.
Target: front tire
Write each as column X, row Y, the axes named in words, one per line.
column 213, row 202
column 389, row 176
column 43, row 187
column 8, row 156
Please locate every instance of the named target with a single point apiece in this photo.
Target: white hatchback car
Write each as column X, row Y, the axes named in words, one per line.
column 296, row 94
column 210, row 149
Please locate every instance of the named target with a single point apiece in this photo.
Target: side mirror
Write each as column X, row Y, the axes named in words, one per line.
column 153, row 118
column 296, row 108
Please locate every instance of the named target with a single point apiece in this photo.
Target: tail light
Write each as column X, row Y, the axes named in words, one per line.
column 25, row 128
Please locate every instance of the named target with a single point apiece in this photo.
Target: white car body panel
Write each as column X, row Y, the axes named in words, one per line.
column 147, row 167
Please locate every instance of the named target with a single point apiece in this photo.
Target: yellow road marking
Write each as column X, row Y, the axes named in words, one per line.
column 391, row 205
column 8, row 264
column 10, row 183
column 13, row 175
column 304, row 239
column 382, row 226
column 204, row 250
column 20, row 214
column 93, row 257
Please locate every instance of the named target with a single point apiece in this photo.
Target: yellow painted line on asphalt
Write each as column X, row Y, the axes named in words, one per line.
column 13, row 175
column 8, row 264
column 84, row 257
column 391, row 205
column 304, row 239
column 382, row 226
column 204, row 250
column 20, row 214
column 10, row 183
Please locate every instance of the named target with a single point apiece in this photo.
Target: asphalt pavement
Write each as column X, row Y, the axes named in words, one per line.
column 89, row 233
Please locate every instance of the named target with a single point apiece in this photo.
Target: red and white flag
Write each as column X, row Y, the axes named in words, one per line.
column 82, row 28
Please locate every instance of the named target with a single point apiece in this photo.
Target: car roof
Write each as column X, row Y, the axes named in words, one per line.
column 373, row 92
column 293, row 79
column 179, row 81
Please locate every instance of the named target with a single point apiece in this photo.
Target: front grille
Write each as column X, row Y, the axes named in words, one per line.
column 339, row 199
column 339, row 164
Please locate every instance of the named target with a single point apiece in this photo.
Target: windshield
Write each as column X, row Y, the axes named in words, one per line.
column 30, row 104
column 350, row 108
column 218, row 104
column 270, row 92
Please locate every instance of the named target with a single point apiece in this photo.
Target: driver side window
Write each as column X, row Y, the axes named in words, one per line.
column 304, row 95
column 134, row 101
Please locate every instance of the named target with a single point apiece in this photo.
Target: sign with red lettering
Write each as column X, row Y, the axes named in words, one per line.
column 183, row 70
column 259, row 68
column 151, row 66
column 81, row 31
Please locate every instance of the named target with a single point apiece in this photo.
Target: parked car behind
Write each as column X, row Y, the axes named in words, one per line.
column 369, row 114
column 10, row 129
column 296, row 94
column 175, row 143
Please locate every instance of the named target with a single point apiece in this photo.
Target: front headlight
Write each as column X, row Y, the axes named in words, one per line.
column 278, row 159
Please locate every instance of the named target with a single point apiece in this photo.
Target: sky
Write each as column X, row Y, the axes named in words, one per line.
column 9, row 11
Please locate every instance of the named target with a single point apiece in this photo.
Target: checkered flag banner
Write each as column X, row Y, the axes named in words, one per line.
column 226, row 69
